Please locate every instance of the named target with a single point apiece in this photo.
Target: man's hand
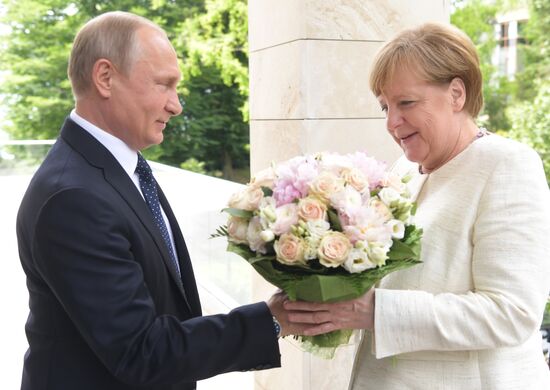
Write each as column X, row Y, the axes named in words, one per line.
column 318, row 318
column 277, row 306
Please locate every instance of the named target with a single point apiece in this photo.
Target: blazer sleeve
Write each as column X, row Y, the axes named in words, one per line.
column 83, row 252
column 510, row 267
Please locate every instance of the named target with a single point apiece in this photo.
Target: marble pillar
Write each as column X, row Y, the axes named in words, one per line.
column 309, row 92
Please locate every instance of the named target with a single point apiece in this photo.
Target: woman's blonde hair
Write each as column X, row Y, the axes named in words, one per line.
column 110, row 36
column 436, row 53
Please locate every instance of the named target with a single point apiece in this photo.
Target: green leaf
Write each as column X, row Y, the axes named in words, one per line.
column 267, row 191
column 334, row 220
column 400, row 251
column 220, row 232
column 239, row 213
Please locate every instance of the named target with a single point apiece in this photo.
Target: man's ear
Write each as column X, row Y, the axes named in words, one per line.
column 458, row 94
column 102, row 77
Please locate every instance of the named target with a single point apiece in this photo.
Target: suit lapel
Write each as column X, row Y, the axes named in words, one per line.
column 97, row 155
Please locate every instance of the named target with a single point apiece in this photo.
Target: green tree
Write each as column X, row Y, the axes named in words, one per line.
column 214, row 45
column 477, row 19
column 536, row 50
column 518, row 107
column 531, row 123
column 530, row 116
column 210, row 37
column 35, row 54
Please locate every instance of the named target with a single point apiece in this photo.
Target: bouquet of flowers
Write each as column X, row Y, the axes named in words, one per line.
column 324, row 228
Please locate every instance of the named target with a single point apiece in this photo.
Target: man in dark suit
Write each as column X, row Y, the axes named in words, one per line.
column 113, row 299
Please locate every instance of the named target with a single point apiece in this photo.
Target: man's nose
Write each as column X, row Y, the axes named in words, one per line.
column 173, row 106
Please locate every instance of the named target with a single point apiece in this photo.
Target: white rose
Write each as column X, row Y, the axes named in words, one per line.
column 317, row 229
column 358, row 261
column 377, row 254
column 267, row 235
column 254, row 236
column 397, row 228
column 348, row 198
column 310, row 248
column 335, row 162
column 237, row 229
column 267, row 212
column 286, row 217
column 388, row 195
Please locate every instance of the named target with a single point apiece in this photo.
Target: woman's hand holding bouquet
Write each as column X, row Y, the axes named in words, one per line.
column 324, row 228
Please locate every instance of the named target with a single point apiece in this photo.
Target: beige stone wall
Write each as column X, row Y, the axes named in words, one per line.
column 309, row 67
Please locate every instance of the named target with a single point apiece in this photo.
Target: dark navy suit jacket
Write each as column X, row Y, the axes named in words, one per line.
column 107, row 308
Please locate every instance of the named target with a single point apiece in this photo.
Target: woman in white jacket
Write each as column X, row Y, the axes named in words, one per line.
column 468, row 317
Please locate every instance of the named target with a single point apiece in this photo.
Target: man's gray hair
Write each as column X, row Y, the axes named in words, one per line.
column 110, row 36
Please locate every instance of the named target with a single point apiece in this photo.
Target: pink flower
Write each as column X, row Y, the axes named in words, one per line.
column 293, row 178
column 372, row 169
column 366, row 224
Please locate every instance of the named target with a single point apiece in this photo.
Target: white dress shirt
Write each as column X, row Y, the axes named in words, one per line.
column 126, row 157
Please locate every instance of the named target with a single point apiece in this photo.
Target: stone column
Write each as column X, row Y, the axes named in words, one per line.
column 309, row 67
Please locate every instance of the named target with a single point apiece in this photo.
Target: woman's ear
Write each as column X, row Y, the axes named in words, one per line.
column 458, row 94
column 102, row 77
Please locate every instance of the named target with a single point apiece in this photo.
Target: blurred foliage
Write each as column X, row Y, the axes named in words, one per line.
column 477, row 18
column 517, row 107
column 193, row 165
column 214, row 125
column 531, row 123
column 210, row 37
column 546, row 318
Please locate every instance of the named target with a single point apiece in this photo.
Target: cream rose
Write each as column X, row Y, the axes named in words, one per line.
column 334, row 249
column 355, row 178
column 381, row 209
column 326, row 184
column 237, row 229
column 290, row 249
column 311, row 209
column 264, row 178
column 248, row 199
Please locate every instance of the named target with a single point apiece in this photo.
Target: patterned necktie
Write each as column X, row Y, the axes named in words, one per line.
column 149, row 189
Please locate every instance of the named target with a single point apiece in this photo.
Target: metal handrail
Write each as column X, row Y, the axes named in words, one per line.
column 27, row 142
